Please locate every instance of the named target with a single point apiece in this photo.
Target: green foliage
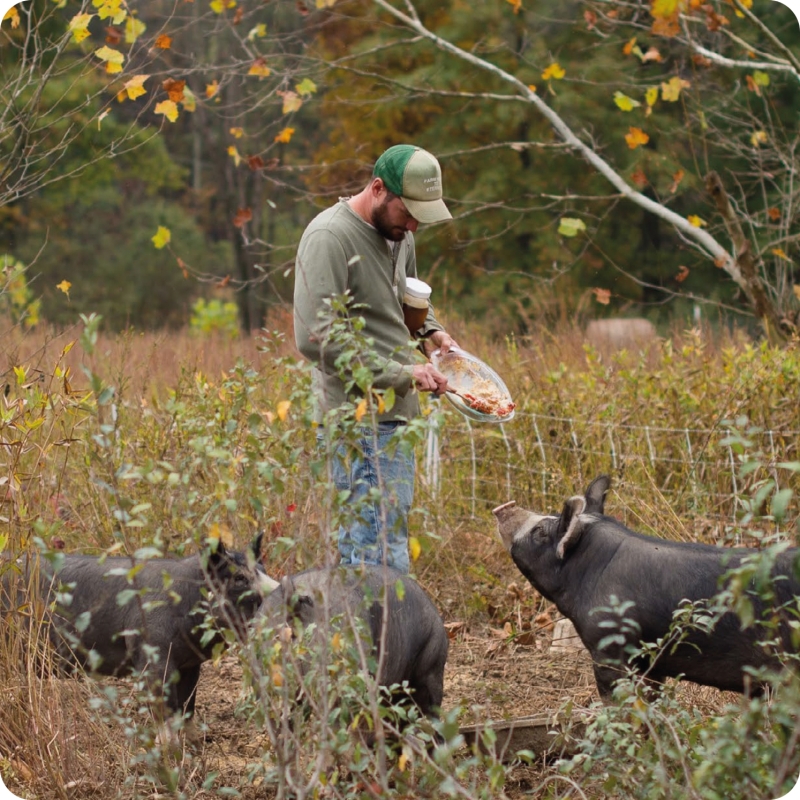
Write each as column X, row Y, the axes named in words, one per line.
column 214, row 316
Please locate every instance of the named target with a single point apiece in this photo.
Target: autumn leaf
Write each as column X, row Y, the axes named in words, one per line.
column 361, row 409
column 218, row 6
column 517, row 4
column 639, row 178
column 168, row 109
column 189, row 101
column 282, row 409
column 255, row 162
column 259, row 31
column 652, row 54
column 779, row 253
column 162, row 237
column 759, row 137
column 624, row 102
column 306, row 87
column 212, row 89
column 676, row 179
column 532, row 87
column 134, row 28
column 697, row 221
column 163, row 42
column 111, row 9
column 628, row 48
column 237, row 133
column 174, row 89
column 636, row 137
column 13, row 15
column 291, row 102
column 243, row 215
column 602, row 296
column 113, row 59
column 591, row 19
column 134, row 87
column 651, row 95
column 113, row 35
column 64, row 286
column 79, row 25
column 259, row 68
column 414, row 547
column 683, row 273
column 554, row 71
column 774, row 214
column 285, row 136
column 671, row 90
column 570, row 226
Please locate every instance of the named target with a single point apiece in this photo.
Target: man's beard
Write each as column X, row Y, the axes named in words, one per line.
column 380, row 221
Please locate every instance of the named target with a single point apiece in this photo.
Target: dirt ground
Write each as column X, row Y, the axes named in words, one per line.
column 491, row 677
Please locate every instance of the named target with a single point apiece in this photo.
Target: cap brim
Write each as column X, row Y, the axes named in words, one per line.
column 427, row 211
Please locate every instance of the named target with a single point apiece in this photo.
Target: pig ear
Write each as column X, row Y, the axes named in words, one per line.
column 571, row 524
column 596, row 494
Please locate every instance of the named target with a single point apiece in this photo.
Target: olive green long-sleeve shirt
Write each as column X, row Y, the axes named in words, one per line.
column 340, row 254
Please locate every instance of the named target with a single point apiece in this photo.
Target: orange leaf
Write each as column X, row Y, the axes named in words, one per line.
column 113, row 35
column 242, row 215
column 774, row 214
column 285, row 136
column 255, row 162
column 174, row 89
column 636, row 137
column 639, row 178
column 628, row 49
column 164, row 42
column 591, row 19
column 517, row 5
column 259, row 67
column 676, row 179
column 602, row 296
column 683, row 274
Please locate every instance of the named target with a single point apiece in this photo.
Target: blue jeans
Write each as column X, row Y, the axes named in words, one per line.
column 381, row 487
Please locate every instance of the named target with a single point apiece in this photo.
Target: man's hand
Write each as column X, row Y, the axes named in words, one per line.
column 428, row 379
column 438, row 340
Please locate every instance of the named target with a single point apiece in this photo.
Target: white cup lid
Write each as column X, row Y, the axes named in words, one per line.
column 417, row 288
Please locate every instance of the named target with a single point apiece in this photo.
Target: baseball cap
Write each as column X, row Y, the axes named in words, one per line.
column 416, row 177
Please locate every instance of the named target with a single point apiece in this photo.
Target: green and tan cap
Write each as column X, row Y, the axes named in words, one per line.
column 416, row 177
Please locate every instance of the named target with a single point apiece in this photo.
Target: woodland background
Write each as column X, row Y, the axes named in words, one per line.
column 227, row 125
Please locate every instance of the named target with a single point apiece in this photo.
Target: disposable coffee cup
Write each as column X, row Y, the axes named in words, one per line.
column 415, row 304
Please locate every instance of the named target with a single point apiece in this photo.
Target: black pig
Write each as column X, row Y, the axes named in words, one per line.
column 581, row 558
column 93, row 624
column 415, row 638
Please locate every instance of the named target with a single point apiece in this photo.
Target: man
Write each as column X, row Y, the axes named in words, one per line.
column 363, row 247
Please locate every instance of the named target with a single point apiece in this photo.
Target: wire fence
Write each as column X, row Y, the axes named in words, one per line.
column 689, row 474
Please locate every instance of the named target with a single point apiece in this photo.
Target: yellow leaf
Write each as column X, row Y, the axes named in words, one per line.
column 260, row 30
column 211, row 89
column 671, row 90
column 666, row 9
column 554, row 71
column 113, row 58
column 759, row 138
column 189, row 101
column 259, row 67
column 13, row 15
column 79, row 25
column 651, row 95
column 162, row 237
column 336, row 642
column 697, row 221
column 402, row 762
column 532, row 87
column 234, row 154
column 64, row 286
column 361, row 409
column 218, row 6
column 291, row 102
column 237, row 133
column 135, row 86
column 325, row 3
column 624, row 102
column 134, row 28
column 285, row 135
column 517, row 5
column 414, row 547
column 777, row 251
column 796, row 290
column 636, row 137
column 282, row 409
column 112, row 9
column 168, row 108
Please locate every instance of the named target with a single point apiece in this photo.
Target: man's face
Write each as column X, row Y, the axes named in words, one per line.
column 391, row 219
